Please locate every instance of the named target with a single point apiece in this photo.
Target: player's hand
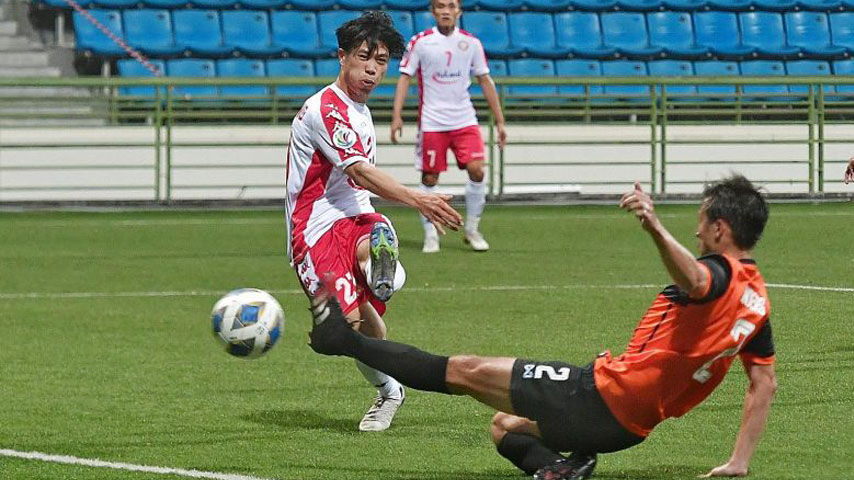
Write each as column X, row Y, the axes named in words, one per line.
column 396, row 128
column 436, row 209
column 726, row 470
column 502, row 135
column 640, row 204
column 849, row 171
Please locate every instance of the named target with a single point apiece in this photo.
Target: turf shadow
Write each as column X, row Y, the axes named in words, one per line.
column 658, row 472
column 301, row 419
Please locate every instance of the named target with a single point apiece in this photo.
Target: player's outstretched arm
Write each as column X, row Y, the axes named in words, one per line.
column 397, row 110
column 679, row 261
column 488, row 87
column 757, row 403
column 433, row 206
column 849, row 171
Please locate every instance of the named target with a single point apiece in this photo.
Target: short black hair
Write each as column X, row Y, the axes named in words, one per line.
column 372, row 27
column 736, row 201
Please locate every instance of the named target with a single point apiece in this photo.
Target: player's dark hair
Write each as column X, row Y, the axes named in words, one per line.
column 736, row 201
column 459, row 4
column 372, row 27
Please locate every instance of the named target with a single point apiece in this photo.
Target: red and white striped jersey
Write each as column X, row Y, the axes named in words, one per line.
column 330, row 133
column 444, row 66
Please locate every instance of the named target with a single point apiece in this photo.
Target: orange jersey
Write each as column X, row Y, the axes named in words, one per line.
column 682, row 348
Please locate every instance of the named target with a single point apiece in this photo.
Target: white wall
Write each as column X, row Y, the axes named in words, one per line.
column 44, row 171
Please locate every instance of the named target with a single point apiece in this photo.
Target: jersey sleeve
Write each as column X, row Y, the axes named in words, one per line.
column 335, row 138
column 479, row 65
column 719, row 272
column 410, row 62
column 760, row 349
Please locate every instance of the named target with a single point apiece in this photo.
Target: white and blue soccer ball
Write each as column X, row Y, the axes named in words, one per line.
column 248, row 321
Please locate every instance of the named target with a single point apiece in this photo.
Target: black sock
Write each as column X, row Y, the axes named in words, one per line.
column 408, row 365
column 526, row 452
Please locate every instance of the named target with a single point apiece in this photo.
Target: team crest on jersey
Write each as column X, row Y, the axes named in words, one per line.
column 463, row 45
column 343, row 137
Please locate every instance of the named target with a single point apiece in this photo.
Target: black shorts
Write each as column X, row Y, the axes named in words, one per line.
column 567, row 407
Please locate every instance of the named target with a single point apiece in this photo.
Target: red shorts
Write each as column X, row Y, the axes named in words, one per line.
column 432, row 151
column 335, row 254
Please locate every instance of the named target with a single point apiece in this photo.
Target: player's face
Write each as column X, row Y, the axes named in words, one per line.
column 362, row 70
column 707, row 233
column 446, row 13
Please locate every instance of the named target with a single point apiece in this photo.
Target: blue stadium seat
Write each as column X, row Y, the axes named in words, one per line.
column 685, row 5
column 320, row 5
column 132, row 68
column 497, row 68
column 502, row 5
column 821, row 5
column 327, row 67
column 764, row 31
column 329, row 22
column 292, row 67
column 491, row 28
column 578, row 68
column 114, row 3
column 295, row 32
column 594, row 5
column 408, row 4
column 674, row 32
column 360, row 4
column 165, row 3
column 775, row 5
column 811, row 33
column 714, row 68
column 842, row 30
column 423, row 21
column 808, row 68
column 535, row 33
column 192, row 67
column 242, row 67
column 673, row 68
column 627, row 32
column 249, row 32
column 548, row 5
column 844, row 67
column 624, row 68
column 731, row 5
column 719, row 32
column 90, row 39
column 403, row 23
column 264, row 4
column 765, row 68
column 640, row 5
column 221, row 4
column 581, row 33
column 531, row 67
column 150, row 31
column 198, row 32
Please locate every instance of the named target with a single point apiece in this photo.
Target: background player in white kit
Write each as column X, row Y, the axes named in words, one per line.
column 444, row 57
column 334, row 234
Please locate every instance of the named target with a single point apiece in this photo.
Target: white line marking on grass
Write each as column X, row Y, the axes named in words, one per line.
column 295, row 291
column 90, row 462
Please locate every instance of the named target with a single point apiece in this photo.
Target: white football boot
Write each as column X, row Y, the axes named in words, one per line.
column 431, row 241
column 381, row 413
column 476, row 240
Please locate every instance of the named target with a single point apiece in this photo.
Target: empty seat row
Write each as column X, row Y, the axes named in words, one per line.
column 668, row 68
column 240, row 67
column 303, row 34
column 471, row 5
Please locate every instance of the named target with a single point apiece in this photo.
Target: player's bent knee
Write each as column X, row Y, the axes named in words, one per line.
column 497, row 427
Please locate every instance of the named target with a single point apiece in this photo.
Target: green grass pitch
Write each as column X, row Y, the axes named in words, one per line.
column 125, row 375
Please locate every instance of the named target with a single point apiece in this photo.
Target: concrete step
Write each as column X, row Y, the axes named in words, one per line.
column 17, row 42
column 51, row 122
column 29, row 71
column 24, row 58
column 8, row 28
column 43, row 92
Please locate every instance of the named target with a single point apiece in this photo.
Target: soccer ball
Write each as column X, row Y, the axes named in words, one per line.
column 248, row 322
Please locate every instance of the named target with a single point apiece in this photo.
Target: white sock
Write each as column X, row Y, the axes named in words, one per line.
column 429, row 228
column 386, row 386
column 475, row 200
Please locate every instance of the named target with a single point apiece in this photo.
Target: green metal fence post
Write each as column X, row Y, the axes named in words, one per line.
column 158, row 124
column 168, row 165
column 653, row 141
column 820, row 117
column 501, row 96
column 491, row 158
column 663, row 138
column 811, row 140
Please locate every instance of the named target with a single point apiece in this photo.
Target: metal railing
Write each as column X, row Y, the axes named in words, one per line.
column 167, row 106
